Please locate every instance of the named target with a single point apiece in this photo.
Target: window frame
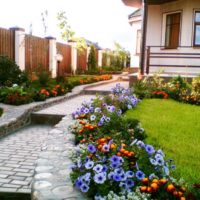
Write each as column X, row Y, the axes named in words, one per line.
column 170, row 29
column 194, row 33
column 138, row 42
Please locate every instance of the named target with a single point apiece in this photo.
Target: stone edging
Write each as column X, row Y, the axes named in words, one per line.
column 52, row 173
column 19, row 116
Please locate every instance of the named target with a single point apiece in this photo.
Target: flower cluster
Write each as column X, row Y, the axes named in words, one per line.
column 95, row 79
column 160, row 94
column 115, row 159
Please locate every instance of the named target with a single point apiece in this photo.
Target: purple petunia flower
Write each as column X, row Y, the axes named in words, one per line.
column 84, row 188
column 100, row 178
column 149, row 149
column 97, row 110
column 117, row 177
column 110, row 175
column 106, row 148
column 98, row 168
column 139, row 175
column 78, row 182
column 129, row 174
column 89, row 164
column 92, row 117
column 129, row 183
column 91, row 148
column 115, row 159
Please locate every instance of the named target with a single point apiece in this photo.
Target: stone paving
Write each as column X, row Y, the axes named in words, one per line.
column 67, row 107
column 19, row 151
column 18, row 154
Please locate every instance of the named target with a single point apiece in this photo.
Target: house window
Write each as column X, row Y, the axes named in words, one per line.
column 138, row 42
column 197, row 29
column 172, row 30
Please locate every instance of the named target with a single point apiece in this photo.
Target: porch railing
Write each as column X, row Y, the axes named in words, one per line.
column 172, row 55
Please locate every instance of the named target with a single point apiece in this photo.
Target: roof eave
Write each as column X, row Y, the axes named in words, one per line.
column 131, row 3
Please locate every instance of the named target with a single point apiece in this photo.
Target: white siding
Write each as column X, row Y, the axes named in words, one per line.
column 156, row 35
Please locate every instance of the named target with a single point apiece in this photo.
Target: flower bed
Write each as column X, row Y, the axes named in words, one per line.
column 177, row 88
column 18, row 94
column 113, row 161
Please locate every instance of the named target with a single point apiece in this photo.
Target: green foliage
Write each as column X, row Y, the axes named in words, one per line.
column 15, row 95
column 43, row 78
column 92, row 62
column 10, row 72
column 196, row 85
column 66, row 31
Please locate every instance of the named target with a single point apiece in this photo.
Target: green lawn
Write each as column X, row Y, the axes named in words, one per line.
column 175, row 127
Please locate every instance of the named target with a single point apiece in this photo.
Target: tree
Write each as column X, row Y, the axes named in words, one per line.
column 92, row 61
column 68, row 34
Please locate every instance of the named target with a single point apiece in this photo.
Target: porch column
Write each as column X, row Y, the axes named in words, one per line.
column 52, row 56
column 143, row 41
column 100, row 57
column 19, row 47
column 74, row 55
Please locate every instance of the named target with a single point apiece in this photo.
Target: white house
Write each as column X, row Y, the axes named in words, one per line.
column 170, row 35
column 135, row 20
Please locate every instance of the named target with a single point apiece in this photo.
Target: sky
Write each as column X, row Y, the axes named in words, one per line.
column 102, row 21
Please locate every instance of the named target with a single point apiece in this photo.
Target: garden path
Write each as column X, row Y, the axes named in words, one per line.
column 19, row 151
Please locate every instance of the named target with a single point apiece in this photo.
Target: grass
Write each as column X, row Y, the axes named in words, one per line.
column 175, row 127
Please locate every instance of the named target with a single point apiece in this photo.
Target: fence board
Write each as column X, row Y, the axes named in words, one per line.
column 7, row 46
column 65, row 65
column 36, row 54
column 82, row 61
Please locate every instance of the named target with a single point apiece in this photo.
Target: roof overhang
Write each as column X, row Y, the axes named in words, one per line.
column 138, row 3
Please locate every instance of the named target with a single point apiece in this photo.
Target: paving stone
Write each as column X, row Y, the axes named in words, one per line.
column 11, row 186
column 24, row 174
column 3, row 175
column 4, row 189
column 17, row 182
column 24, row 190
column 12, row 165
column 3, row 180
column 19, row 178
column 6, row 168
column 21, row 170
column 7, row 172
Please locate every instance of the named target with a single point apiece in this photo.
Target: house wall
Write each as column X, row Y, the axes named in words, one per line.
column 156, row 37
column 136, row 25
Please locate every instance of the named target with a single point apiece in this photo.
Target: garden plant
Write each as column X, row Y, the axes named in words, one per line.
column 113, row 160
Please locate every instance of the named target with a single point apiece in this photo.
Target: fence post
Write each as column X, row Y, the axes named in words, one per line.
column 52, row 56
column 19, row 46
column 88, row 53
column 100, row 57
column 74, row 57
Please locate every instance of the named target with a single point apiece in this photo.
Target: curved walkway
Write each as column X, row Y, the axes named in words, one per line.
column 19, row 151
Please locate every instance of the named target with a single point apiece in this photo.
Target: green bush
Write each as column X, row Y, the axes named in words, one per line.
column 43, row 78
column 92, row 62
column 10, row 72
column 15, row 95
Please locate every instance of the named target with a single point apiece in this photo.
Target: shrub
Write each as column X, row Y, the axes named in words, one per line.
column 10, row 72
column 43, row 78
column 92, row 62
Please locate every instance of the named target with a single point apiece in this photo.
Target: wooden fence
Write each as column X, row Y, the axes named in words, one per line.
column 65, row 65
column 82, row 61
column 7, row 39
column 36, row 53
